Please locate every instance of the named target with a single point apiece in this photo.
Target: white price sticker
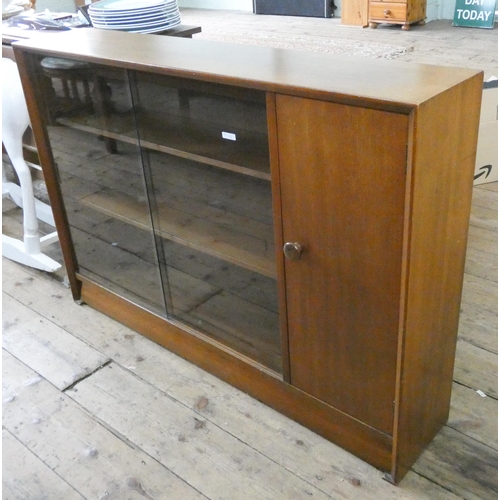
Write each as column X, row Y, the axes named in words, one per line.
column 229, row 136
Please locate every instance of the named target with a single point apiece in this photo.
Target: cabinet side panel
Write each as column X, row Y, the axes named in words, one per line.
column 444, row 142
column 416, row 10
column 355, row 13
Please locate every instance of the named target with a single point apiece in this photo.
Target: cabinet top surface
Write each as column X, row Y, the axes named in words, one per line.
column 380, row 83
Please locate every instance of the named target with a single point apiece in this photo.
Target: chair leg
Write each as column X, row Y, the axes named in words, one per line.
column 28, row 251
column 15, row 121
column 14, row 149
column 14, row 250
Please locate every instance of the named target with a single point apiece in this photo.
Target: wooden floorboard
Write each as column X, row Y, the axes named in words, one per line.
column 28, row 476
column 76, row 447
column 461, row 464
column 94, row 410
column 474, row 415
column 52, row 352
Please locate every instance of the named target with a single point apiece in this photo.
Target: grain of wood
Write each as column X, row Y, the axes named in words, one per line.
column 183, row 442
column 479, row 312
column 482, row 264
column 76, row 448
column 461, row 464
column 51, row 351
column 490, row 186
column 12, row 225
column 486, row 198
column 480, row 293
column 476, row 368
column 26, row 476
column 474, row 415
column 356, row 13
column 478, row 327
column 484, row 217
column 483, row 239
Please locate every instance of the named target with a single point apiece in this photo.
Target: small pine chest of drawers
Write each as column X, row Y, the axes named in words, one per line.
column 397, row 12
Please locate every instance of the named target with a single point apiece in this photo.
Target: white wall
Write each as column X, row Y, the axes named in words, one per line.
column 218, row 4
column 436, row 9
column 56, row 5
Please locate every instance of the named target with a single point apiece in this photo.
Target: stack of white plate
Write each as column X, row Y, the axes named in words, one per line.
column 136, row 16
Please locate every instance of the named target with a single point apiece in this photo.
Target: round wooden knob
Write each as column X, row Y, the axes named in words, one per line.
column 387, row 12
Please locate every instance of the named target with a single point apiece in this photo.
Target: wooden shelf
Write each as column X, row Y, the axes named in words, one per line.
column 193, row 143
column 261, row 344
column 226, row 242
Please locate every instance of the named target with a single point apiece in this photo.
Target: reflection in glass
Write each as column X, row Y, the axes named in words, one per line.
column 102, row 178
column 210, row 192
column 181, row 225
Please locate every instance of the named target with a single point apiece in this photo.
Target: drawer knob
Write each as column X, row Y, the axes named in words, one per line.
column 292, row 251
column 387, row 12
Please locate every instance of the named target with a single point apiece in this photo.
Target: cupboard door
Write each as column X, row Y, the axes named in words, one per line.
column 342, row 175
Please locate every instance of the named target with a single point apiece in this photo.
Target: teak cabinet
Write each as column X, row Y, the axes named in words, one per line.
column 294, row 223
column 405, row 13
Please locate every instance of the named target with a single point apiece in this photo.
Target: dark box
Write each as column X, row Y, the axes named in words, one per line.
column 307, row 8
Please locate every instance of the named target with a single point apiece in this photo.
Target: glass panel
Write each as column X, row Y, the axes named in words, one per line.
column 94, row 143
column 209, row 177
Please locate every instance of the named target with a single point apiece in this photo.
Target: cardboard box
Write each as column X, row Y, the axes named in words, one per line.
column 487, row 154
column 487, row 144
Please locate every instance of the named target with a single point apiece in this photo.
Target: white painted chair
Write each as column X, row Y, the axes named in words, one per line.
column 15, row 121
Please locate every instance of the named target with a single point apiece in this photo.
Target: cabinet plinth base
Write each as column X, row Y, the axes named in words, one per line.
column 405, row 26
column 363, row 441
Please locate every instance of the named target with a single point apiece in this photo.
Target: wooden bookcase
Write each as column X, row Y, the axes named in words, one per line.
column 294, row 223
